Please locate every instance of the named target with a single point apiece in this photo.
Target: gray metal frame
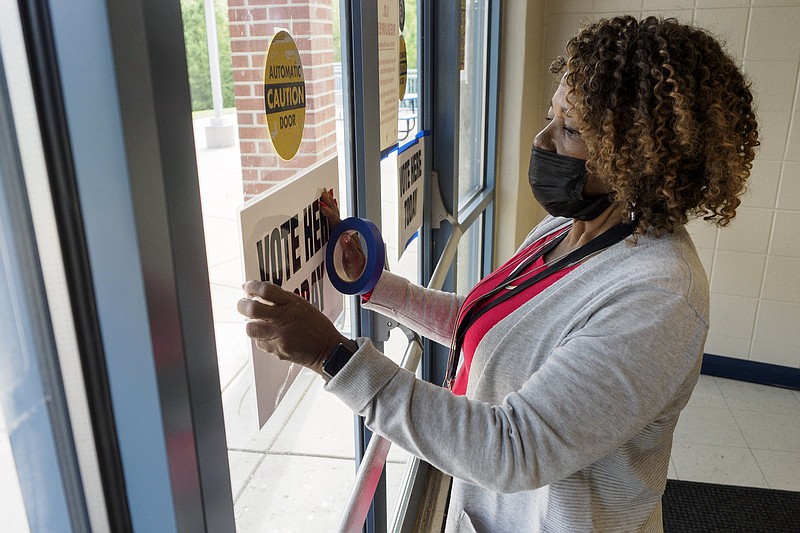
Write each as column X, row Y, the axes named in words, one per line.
column 492, row 102
column 440, row 114
column 442, row 117
column 438, row 209
column 33, row 399
column 156, row 119
column 97, row 454
column 128, row 121
column 358, row 26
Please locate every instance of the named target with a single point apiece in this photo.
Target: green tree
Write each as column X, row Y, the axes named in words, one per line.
column 194, row 34
column 410, row 33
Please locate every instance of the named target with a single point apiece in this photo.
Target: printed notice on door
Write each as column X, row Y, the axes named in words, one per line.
column 284, row 95
column 388, row 66
column 410, row 165
column 283, row 237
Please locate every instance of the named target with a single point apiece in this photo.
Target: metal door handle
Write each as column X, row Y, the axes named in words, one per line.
column 371, row 467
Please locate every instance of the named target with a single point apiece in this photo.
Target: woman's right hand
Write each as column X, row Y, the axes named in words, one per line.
column 353, row 256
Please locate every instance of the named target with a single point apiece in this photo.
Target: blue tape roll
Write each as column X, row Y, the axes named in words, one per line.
column 376, row 256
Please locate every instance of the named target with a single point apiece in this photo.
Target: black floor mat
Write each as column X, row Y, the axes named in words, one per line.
column 706, row 507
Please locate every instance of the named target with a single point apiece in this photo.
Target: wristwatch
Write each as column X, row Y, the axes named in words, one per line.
column 338, row 357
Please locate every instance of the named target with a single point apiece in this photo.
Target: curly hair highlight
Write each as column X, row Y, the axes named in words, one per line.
column 667, row 118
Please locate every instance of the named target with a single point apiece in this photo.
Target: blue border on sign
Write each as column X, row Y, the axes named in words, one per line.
column 416, row 234
column 385, row 153
column 402, row 148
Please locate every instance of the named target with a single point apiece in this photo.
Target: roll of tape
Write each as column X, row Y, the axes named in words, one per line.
column 375, row 251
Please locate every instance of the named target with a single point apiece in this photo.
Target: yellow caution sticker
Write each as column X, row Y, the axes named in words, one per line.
column 403, row 66
column 284, row 95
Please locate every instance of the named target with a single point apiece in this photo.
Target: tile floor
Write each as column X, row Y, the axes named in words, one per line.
column 739, row 433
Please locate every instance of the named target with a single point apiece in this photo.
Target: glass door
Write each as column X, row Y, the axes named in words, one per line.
column 306, row 445
column 158, row 142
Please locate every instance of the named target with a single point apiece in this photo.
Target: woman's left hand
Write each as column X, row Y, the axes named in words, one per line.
column 288, row 326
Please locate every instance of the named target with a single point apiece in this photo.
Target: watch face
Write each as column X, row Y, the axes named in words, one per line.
column 336, row 360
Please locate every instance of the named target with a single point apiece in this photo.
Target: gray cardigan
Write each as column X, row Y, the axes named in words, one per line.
column 572, row 399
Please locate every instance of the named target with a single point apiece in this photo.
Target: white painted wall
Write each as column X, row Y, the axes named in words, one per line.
column 520, row 91
column 754, row 264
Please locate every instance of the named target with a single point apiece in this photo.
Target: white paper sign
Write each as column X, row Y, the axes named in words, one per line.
column 410, row 166
column 283, row 241
column 388, row 69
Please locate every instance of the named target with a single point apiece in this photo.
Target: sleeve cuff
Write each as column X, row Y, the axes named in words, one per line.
column 364, row 375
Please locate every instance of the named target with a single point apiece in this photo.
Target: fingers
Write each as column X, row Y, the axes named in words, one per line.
column 331, row 214
column 270, row 293
column 352, row 242
column 261, row 330
column 265, row 301
column 330, row 208
column 253, row 309
column 351, row 252
column 327, row 198
column 263, row 346
column 266, row 337
column 330, row 199
column 327, row 201
column 351, row 248
column 271, row 348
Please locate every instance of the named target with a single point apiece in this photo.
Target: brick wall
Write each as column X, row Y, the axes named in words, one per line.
column 252, row 24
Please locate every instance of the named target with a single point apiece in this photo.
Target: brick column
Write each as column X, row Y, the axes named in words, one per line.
column 252, row 24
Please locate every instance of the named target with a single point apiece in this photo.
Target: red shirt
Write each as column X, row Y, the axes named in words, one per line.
column 489, row 319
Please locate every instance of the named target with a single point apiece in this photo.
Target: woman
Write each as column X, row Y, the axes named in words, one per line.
column 581, row 351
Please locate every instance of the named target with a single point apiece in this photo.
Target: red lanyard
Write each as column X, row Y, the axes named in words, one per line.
column 471, row 314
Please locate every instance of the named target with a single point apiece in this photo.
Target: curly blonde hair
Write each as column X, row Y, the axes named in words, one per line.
column 667, row 118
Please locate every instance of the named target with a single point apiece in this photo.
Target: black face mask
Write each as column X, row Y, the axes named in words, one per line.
column 557, row 182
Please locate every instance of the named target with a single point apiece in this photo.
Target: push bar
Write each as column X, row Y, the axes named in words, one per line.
column 371, row 467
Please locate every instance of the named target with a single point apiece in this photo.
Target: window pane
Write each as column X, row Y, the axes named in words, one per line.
column 408, row 263
column 473, row 101
column 306, row 447
column 408, row 114
column 14, row 516
column 468, row 257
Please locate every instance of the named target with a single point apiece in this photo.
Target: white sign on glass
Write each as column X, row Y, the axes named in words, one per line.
column 283, row 238
column 410, row 166
column 388, row 70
